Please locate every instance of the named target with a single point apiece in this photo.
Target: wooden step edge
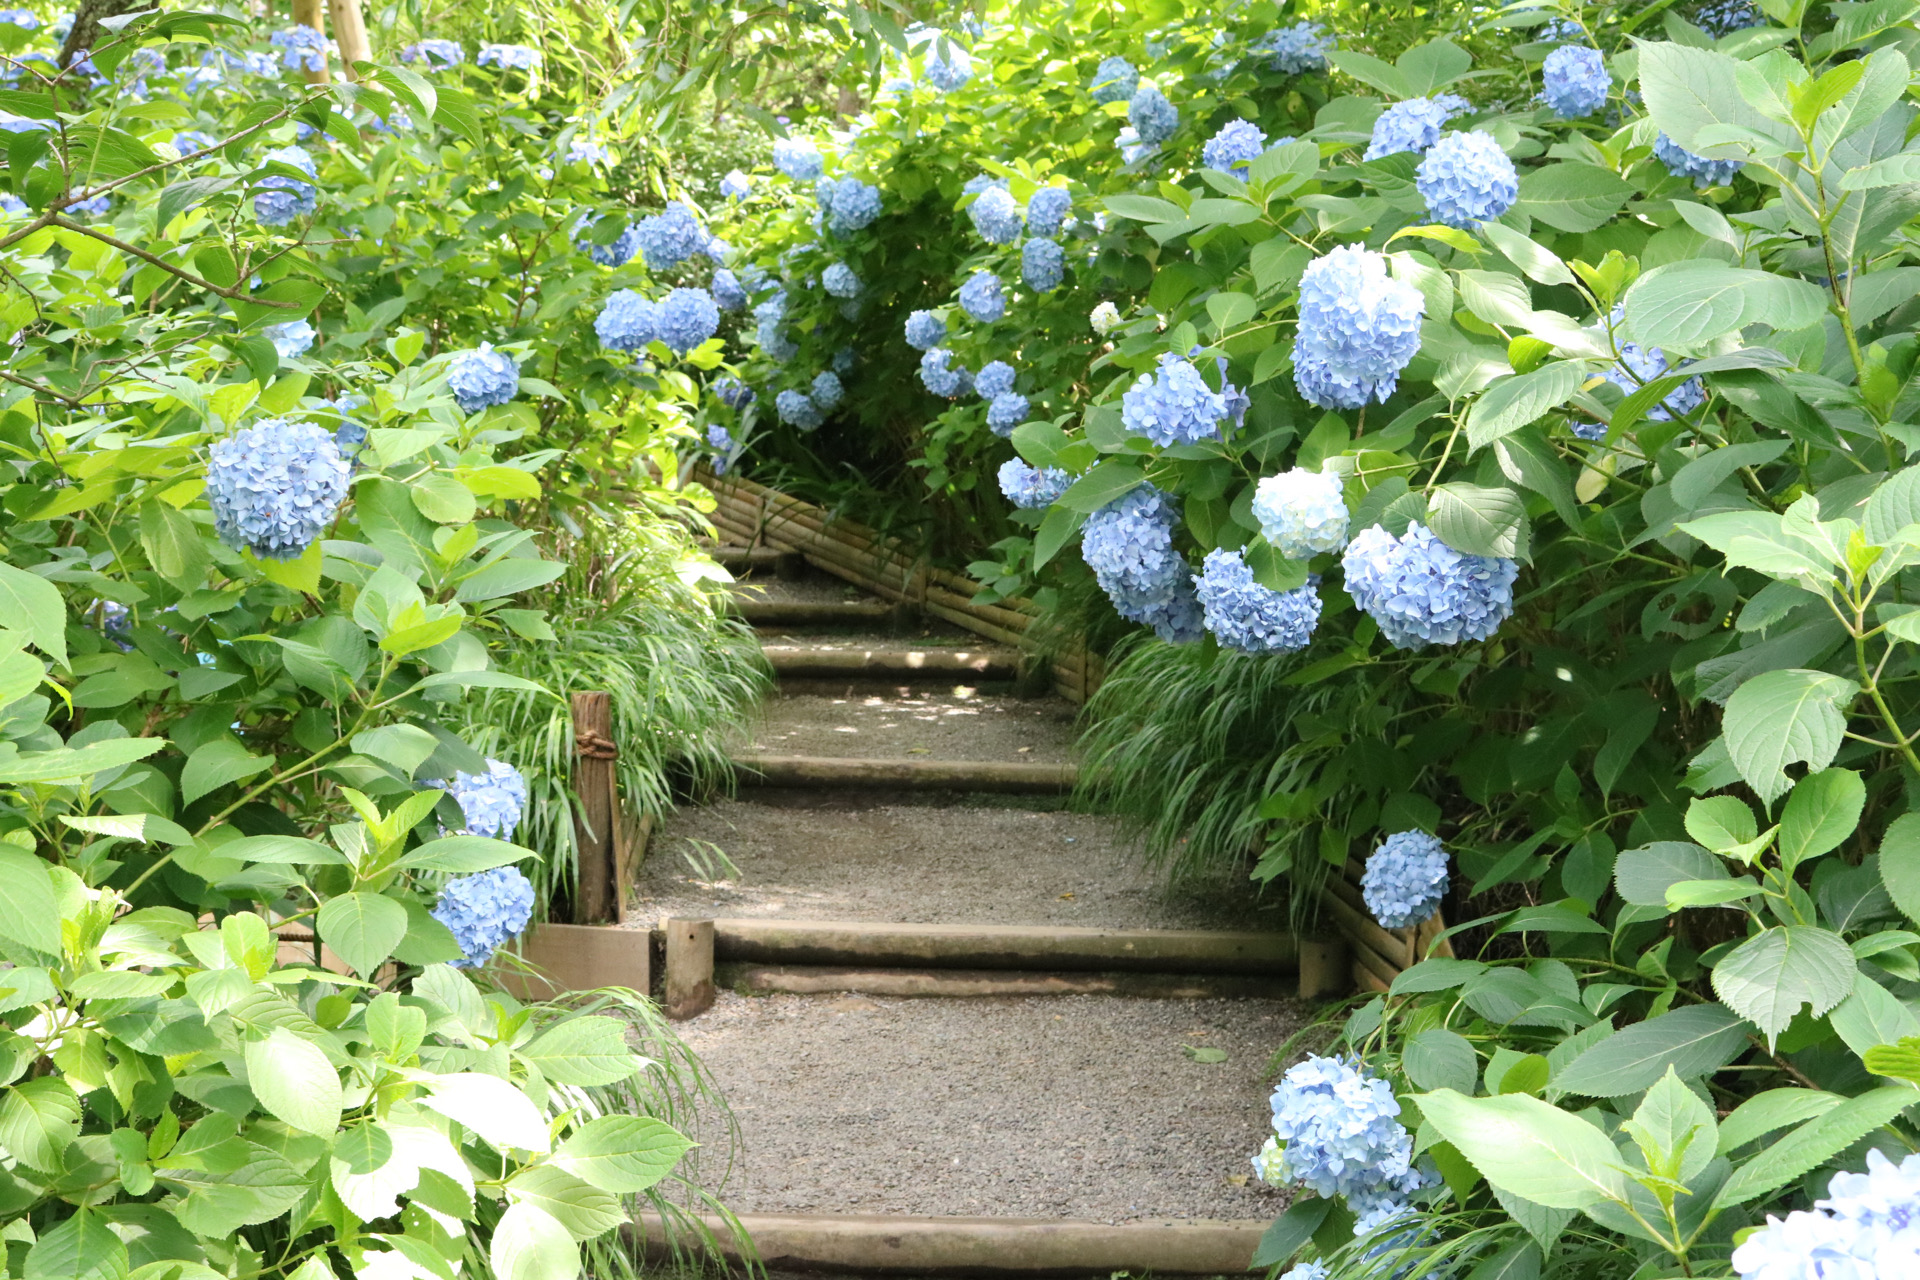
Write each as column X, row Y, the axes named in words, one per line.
column 880, row 1243
column 809, row 980
column 1005, row 777
column 1033, row 948
column 906, row 663
column 815, row 613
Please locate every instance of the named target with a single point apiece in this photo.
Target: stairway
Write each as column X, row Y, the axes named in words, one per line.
column 961, row 1028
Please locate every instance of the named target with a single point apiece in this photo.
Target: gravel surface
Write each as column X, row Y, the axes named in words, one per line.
column 763, row 585
column 978, row 861
column 959, row 724
column 1080, row 1107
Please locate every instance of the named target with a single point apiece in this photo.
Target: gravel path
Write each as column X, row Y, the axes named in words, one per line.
column 903, row 724
column 973, row 861
column 1075, row 1107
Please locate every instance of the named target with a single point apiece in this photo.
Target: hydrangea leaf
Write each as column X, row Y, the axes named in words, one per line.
column 1814, row 1143
column 294, row 1081
column 530, row 1244
column 1529, row 1148
column 1770, row 976
column 1780, row 717
column 626, row 1154
column 362, row 928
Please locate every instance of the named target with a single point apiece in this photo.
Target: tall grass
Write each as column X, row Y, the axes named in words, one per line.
column 635, row 615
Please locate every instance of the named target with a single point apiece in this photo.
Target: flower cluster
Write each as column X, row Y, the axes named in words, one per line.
column 798, row 158
column 1174, row 406
column 1104, row 318
column 275, row 487
column 1301, row 512
column 996, row 216
column 1299, row 48
column 508, row 57
column 616, row 252
column 1338, row 1132
column 1114, row 80
column 1029, row 487
column 1466, row 178
column 687, row 318
column 1636, row 367
column 1421, row 591
column 1047, row 210
column 670, row 237
column 840, row 281
column 1359, row 327
column 1412, row 125
column 728, row 293
column 769, row 318
column 1043, row 264
column 1682, row 163
column 949, row 73
column 1867, row 1228
column 491, row 803
column 796, row 409
column 1129, row 546
column 435, row 53
column 925, row 330
column 485, row 911
column 994, row 379
column 941, row 376
column 736, row 185
column 1404, row 879
column 627, row 321
column 281, row 198
column 1244, row 615
column 826, row 391
column 1575, row 81
column 482, row 377
column 1153, row 118
column 291, row 339
column 302, row 48
column 1006, row 411
column 981, row 297
column 720, row 440
column 1724, row 17
column 848, row 204
column 1234, row 148
column 733, row 393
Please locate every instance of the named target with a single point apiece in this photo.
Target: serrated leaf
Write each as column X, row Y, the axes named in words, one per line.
column 1768, row 978
column 1781, row 717
column 362, row 929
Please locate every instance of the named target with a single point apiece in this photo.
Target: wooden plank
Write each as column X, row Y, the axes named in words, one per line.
column 1029, row 947
column 987, row 664
column 795, row 979
column 1010, row 778
column 573, row 957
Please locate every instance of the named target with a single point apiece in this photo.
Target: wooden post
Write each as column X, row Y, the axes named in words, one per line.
column 689, row 966
column 312, row 13
column 595, row 897
column 1325, row 969
column 350, row 33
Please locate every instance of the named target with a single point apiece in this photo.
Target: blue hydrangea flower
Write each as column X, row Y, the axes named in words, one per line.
column 840, row 281
column 1114, row 80
column 774, row 341
column 1339, row 1131
column 716, row 249
column 1043, row 264
column 508, row 57
column 849, row 204
column 796, row 409
column 616, row 252
column 1466, row 178
column 1173, row 406
column 94, row 207
column 1313, row 1269
column 996, row 216
column 1244, row 615
column 1299, row 48
column 736, row 185
column 588, row 152
column 282, row 199
column 941, row 376
column 1867, row 1228
column 435, row 53
column 826, row 392
column 291, row 339
column 1682, row 163
column 670, row 237
column 1047, row 209
column 949, row 73
column 1234, row 148
column 482, row 377
column 982, row 298
column 1031, row 488
column 844, row 360
column 275, row 487
column 490, row 803
column 1576, row 81
column 1358, row 328
column 718, row 437
column 1724, row 17
column 1129, row 546
column 1153, row 118
column 733, row 393
column 1421, row 591
column 925, row 330
column 11, row 204
column 627, row 321
column 484, row 912
column 687, row 318
column 21, row 18
column 727, row 291
column 1413, row 125
column 1405, row 879
column 1007, row 411
column 302, row 48
column 994, row 379
column 798, row 158
column 1302, row 513
column 1637, row 367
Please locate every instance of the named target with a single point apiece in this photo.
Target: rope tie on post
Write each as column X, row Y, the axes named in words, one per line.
column 595, row 746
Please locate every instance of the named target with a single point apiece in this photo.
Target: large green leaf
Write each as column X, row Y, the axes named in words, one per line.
column 1440, row 1059
column 1872, row 1016
column 627, row 1154
column 491, row 1107
column 1291, row 1231
column 583, row 1051
column 1529, row 1148
column 1815, row 1142
column 84, row 1247
column 295, row 1082
column 1573, row 197
column 1672, row 1123
column 1780, row 717
column 362, row 928
column 1688, row 90
column 1822, row 812
column 1512, row 403
column 1642, row 876
column 1764, row 1113
column 1900, row 863
column 531, row 1244
column 38, row 1122
column 33, row 605
column 1767, row 978
column 1695, row 1041
column 1476, row 520
column 1684, row 306
column 585, row 1210
column 29, row 912
column 215, row 763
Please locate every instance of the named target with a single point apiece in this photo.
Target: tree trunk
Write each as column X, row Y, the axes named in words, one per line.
column 350, row 33
column 86, row 24
column 312, row 13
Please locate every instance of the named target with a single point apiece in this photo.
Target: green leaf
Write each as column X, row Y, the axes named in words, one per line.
column 263, row 1187
column 1110, row 480
column 1823, row 810
column 33, row 605
column 404, row 746
column 507, row 577
column 1290, row 1231
column 1572, row 196
column 76, row 764
column 530, row 1244
column 583, row 1051
column 295, row 1082
column 1672, row 1126
column 1814, row 1143
column 1775, row 1109
column 1536, row 261
column 1721, row 823
column 216, row 763
column 1684, row 306
column 1438, row 974
column 1780, row 717
column 1529, row 1148
column 624, row 1154
column 1689, row 89
column 464, row 855
column 491, row 1107
column 1767, row 978
column 173, row 545
column 1900, row 863
column 84, row 1247
column 1440, row 1059
column 586, row 1211
column 1872, row 1016
column 1477, row 521
column 362, row 928
column 1695, row 1041
column 1511, row 403
column 1900, row 1061
column 1694, row 481
column 29, row 911
column 1145, row 208
column 38, row 1122
column 1709, row 893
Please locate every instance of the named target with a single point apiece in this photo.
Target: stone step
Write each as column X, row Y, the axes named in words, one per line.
column 898, row 664
column 819, row 613
column 760, row 769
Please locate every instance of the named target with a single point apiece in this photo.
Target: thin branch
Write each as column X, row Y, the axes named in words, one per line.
column 234, row 291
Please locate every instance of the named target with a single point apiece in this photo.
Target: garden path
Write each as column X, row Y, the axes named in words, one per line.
column 854, row 1099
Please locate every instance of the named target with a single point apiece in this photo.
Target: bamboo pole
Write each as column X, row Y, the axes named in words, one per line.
column 350, row 33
